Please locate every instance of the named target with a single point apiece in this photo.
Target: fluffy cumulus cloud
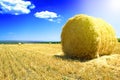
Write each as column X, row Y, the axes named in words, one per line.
column 15, row 7
column 50, row 16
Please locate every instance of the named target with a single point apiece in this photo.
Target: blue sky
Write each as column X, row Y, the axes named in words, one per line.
column 42, row 20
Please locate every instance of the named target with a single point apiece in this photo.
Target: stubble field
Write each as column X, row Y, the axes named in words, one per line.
column 47, row 62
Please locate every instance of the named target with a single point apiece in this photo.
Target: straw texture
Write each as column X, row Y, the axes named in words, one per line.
column 87, row 37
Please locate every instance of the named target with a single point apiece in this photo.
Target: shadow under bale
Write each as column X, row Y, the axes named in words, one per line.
column 69, row 58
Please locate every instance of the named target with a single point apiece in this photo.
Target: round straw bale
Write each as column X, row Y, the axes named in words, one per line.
column 87, row 37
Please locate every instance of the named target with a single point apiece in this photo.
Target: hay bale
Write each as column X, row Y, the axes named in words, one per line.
column 87, row 37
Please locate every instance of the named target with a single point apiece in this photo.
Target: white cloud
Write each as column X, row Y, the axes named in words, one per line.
column 58, row 20
column 15, row 7
column 51, row 20
column 50, row 16
column 46, row 14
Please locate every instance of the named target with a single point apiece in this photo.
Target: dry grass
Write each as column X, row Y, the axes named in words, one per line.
column 45, row 62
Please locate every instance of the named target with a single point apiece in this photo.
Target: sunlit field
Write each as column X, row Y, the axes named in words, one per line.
column 47, row 62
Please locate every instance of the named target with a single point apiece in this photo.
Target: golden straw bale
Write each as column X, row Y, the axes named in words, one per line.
column 87, row 37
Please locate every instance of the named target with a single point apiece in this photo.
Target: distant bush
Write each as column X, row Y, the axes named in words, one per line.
column 118, row 39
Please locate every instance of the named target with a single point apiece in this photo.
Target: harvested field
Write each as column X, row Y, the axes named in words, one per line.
column 46, row 62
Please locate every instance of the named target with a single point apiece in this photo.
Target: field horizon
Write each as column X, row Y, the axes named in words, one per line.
column 30, row 41
column 26, row 41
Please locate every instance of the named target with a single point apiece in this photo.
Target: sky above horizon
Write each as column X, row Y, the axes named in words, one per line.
column 42, row 20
